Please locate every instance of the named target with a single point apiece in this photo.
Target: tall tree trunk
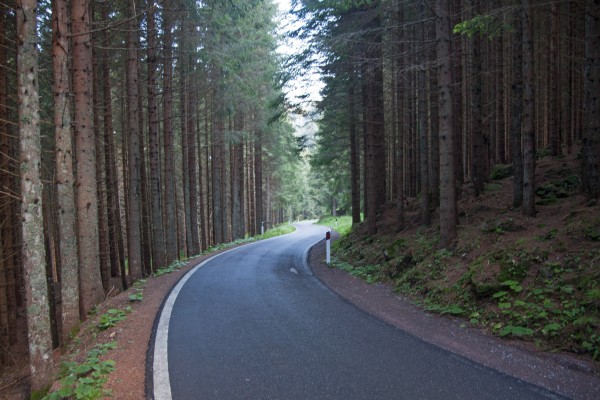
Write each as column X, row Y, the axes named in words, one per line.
column 90, row 290
column 354, row 152
column 146, row 242
column 434, row 120
column 9, row 226
column 554, row 121
column 238, row 179
column 103, row 236
column 67, row 239
column 117, row 250
column 528, row 114
column 448, row 212
column 517, row 112
column 591, row 128
column 202, row 182
column 258, row 180
column 192, row 165
column 210, row 238
column 422, row 123
column 32, row 225
column 375, row 138
column 192, row 168
column 184, row 103
column 477, row 166
column 218, row 196
column 158, row 236
column 134, row 212
column 5, row 252
column 169, row 151
column 251, row 188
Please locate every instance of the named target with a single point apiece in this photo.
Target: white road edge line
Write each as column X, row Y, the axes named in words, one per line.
column 160, row 365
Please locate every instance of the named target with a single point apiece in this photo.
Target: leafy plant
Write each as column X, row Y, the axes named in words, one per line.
column 137, row 296
column 446, row 309
column 516, row 331
column 174, row 266
column 111, row 318
column 84, row 381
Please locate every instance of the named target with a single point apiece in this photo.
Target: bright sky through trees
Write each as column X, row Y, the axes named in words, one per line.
column 307, row 82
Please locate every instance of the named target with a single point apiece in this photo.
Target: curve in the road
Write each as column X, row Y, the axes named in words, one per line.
column 161, row 385
column 254, row 323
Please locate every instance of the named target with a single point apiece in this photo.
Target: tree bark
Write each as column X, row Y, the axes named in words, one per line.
column 202, row 181
column 354, row 152
column 192, row 165
column 5, row 253
column 11, row 227
column 448, row 212
column 67, row 240
column 375, row 137
column 422, row 123
column 169, row 189
column 238, row 178
column 517, row 112
column 218, row 196
column 103, row 231
column 90, row 291
column 258, row 181
column 528, row 114
column 117, row 251
column 184, row 117
column 476, row 100
column 158, row 236
column 554, row 111
column 591, row 129
column 134, row 213
column 145, row 226
column 7, row 287
column 32, row 226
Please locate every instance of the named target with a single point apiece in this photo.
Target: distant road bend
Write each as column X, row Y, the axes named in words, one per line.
column 254, row 323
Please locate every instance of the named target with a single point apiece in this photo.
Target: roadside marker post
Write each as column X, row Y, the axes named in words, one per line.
column 328, row 247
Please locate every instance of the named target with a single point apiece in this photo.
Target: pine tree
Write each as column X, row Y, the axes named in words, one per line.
column 134, row 210
column 64, row 171
column 158, row 237
column 33, row 251
column 91, row 292
column 448, row 212
column 591, row 135
column 528, row 134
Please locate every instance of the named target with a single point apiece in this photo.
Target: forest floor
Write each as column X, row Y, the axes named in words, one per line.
column 462, row 299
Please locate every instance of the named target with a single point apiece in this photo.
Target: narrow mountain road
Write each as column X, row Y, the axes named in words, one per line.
column 254, row 323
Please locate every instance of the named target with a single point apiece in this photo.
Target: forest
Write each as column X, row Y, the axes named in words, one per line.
column 137, row 133
column 423, row 99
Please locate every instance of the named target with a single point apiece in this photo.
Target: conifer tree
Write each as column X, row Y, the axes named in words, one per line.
column 33, row 251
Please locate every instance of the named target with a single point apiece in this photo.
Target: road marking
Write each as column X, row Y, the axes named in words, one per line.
column 160, row 364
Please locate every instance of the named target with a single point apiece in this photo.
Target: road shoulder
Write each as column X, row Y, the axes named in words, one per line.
column 560, row 373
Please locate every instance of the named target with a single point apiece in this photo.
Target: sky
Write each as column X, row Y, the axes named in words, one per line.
column 310, row 82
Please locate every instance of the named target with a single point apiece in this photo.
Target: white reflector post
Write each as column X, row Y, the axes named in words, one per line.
column 328, row 247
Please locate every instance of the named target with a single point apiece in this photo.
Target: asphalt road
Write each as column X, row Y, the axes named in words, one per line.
column 254, row 323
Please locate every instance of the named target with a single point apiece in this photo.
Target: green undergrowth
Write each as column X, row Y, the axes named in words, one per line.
column 340, row 224
column 544, row 288
column 85, row 380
